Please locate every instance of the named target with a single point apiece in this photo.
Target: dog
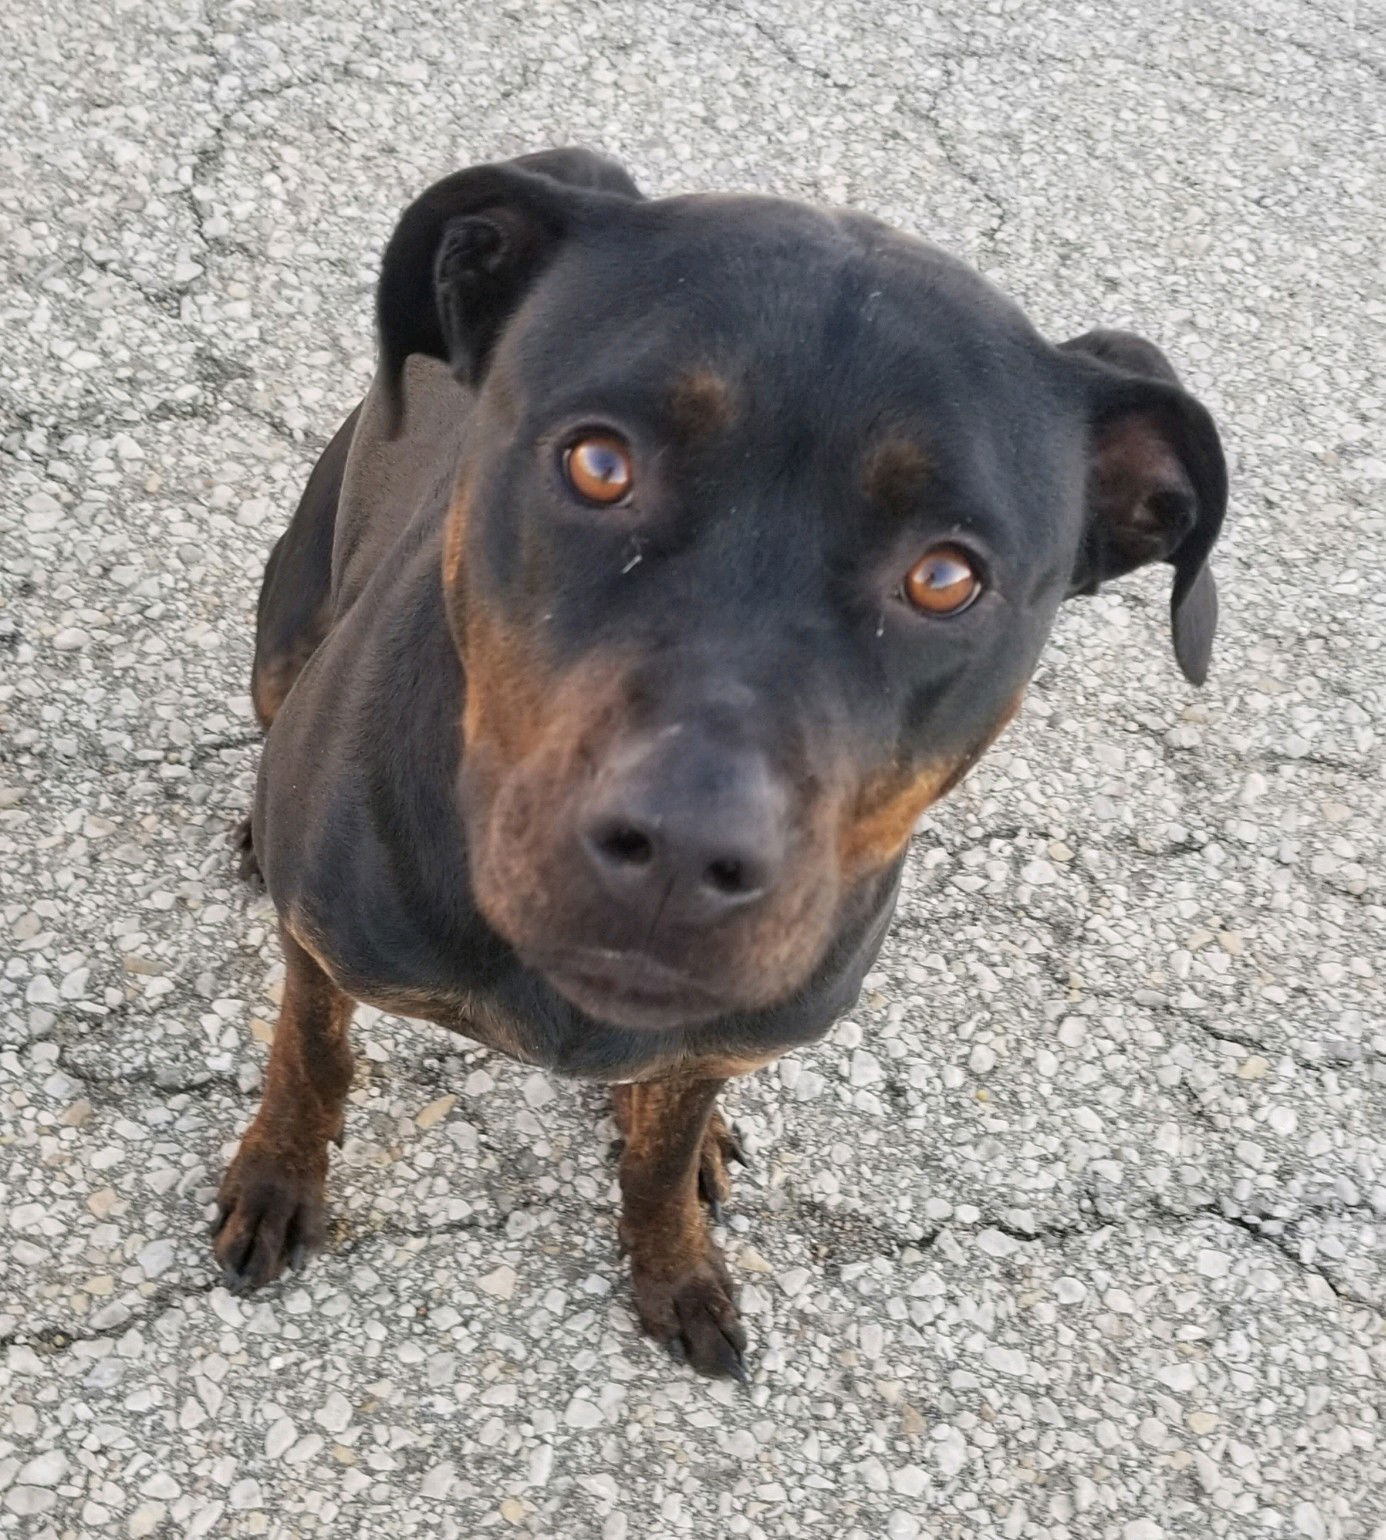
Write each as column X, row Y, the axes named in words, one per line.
column 682, row 552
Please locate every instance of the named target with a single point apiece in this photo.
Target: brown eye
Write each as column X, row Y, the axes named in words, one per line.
column 943, row 581
column 598, row 468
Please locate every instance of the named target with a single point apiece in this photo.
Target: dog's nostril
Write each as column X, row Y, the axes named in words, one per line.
column 728, row 877
column 625, row 845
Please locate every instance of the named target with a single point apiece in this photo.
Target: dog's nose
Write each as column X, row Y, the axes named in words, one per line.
column 684, row 835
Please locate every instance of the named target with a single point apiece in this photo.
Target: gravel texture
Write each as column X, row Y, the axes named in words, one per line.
column 1077, row 1228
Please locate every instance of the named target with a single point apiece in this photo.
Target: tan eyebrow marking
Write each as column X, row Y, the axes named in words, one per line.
column 894, row 470
column 702, row 402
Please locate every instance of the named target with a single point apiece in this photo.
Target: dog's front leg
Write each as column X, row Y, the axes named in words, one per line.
column 270, row 1207
column 683, row 1292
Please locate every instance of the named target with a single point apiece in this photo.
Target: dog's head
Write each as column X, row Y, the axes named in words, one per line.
column 764, row 518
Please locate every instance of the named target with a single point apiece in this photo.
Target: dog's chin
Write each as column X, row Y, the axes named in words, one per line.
column 629, row 989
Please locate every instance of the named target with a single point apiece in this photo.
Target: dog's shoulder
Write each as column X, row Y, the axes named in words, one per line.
column 391, row 479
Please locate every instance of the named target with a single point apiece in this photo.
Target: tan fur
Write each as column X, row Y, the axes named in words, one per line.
column 274, row 677
column 509, row 691
column 886, row 814
column 271, row 1197
column 702, row 403
column 883, row 817
column 663, row 1123
column 894, row 470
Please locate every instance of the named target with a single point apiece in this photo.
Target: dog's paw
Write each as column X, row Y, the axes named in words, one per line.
column 692, row 1311
column 270, row 1215
column 247, row 862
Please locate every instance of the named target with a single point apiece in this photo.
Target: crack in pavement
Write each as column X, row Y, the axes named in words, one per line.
column 198, row 1084
column 928, row 115
column 1264, row 34
column 1249, row 1226
column 53, row 1339
column 1216, row 1209
column 1269, row 1230
column 95, row 416
column 199, row 752
column 353, row 1241
column 50, row 1340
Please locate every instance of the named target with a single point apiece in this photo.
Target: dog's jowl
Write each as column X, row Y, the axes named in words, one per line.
column 681, row 554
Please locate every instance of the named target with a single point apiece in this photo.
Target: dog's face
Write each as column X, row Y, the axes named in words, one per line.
column 765, row 517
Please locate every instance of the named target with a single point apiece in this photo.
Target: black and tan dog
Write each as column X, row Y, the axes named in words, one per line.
column 681, row 554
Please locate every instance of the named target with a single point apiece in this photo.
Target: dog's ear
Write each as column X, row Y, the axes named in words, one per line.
column 1156, row 483
column 464, row 253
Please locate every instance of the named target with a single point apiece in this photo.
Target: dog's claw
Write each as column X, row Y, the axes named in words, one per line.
column 722, row 1356
column 733, row 1149
column 247, row 862
column 711, row 1192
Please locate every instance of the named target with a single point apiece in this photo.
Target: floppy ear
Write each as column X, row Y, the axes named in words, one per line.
column 464, row 253
column 1156, row 484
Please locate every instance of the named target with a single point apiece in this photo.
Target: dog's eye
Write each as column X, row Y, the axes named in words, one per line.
column 944, row 581
column 598, row 468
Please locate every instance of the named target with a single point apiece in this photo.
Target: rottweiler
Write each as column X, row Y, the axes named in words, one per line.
column 682, row 552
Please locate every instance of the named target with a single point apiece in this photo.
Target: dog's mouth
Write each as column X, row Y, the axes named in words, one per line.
column 627, row 988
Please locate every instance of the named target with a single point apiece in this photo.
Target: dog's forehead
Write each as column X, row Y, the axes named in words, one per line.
column 751, row 239
column 767, row 289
